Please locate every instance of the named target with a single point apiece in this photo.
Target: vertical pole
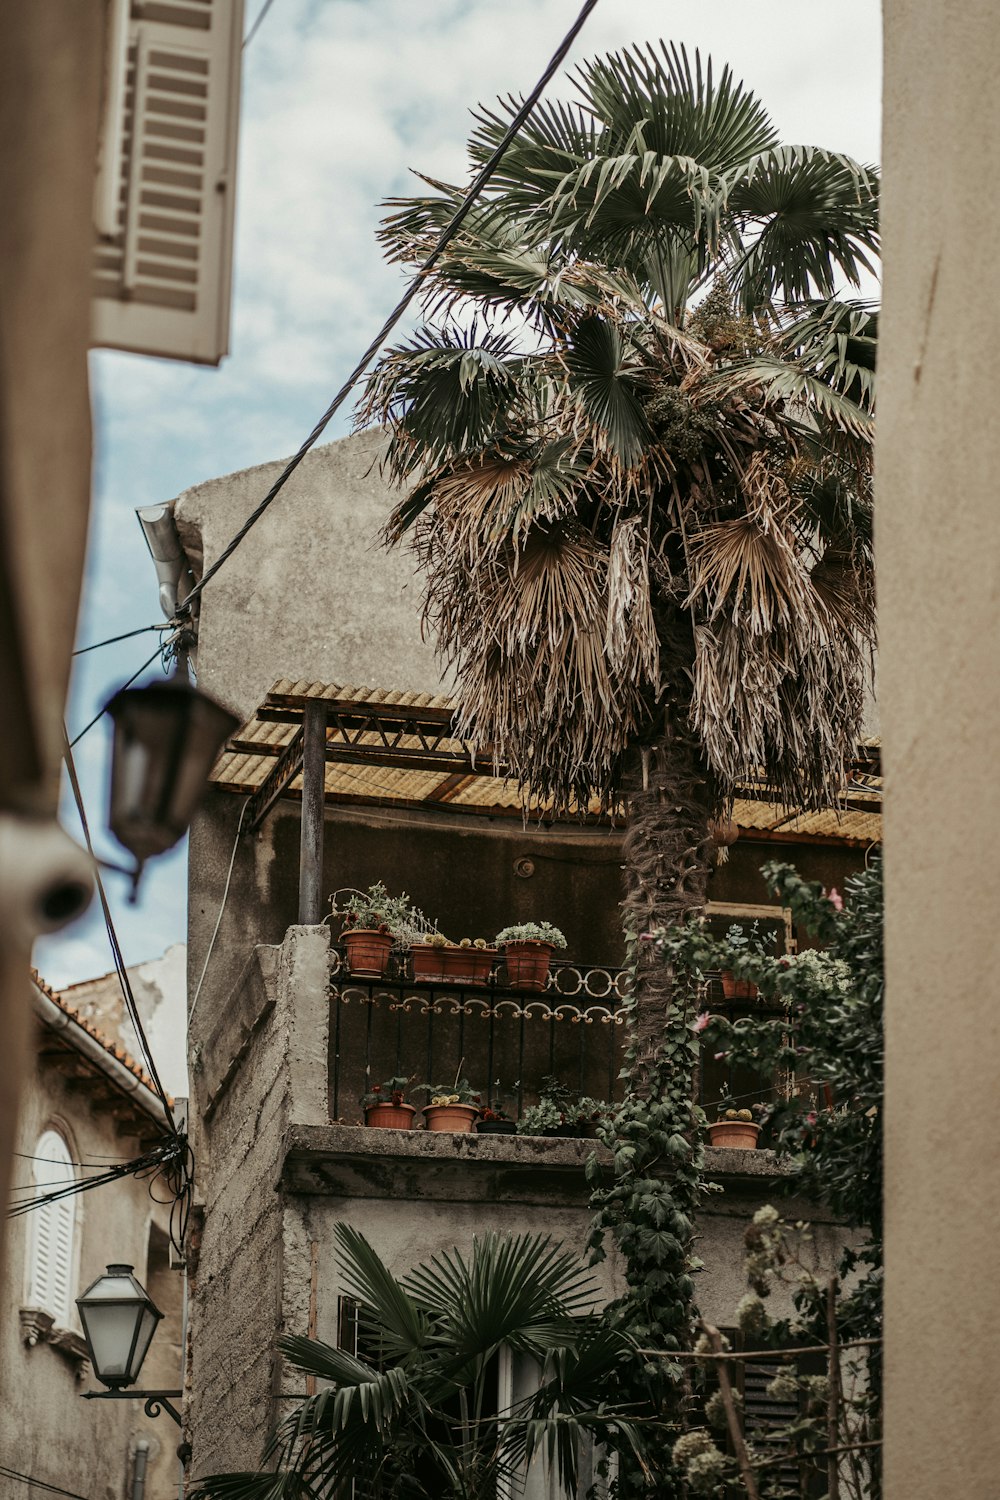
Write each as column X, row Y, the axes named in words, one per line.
column 313, row 801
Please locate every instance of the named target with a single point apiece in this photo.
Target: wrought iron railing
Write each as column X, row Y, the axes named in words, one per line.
column 506, row 1040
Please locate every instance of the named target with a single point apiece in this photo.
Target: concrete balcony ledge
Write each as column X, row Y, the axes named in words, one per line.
column 356, row 1161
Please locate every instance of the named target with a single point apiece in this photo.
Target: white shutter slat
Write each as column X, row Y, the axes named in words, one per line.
column 162, row 280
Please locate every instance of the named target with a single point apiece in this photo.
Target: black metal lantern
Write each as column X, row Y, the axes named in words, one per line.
column 119, row 1319
column 167, row 736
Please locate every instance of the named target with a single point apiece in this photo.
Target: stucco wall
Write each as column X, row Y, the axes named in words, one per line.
column 938, row 558
column 46, row 1430
column 309, row 594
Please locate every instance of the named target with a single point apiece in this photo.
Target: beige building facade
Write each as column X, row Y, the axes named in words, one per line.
column 85, row 1104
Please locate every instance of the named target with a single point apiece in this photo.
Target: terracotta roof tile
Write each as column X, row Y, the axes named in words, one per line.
column 113, row 1048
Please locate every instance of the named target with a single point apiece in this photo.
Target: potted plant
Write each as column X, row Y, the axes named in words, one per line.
column 734, row 1128
column 493, row 1118
column 437, row 961
column 385, row 1107
column 561, row 1112
column 373, row 921
column 453, row 1107
column 528, row 949
column 742, row 942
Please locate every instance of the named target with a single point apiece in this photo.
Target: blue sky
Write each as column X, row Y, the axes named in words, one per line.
column 341, row 98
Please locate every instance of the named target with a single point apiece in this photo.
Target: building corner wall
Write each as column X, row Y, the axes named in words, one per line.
column 259, row 1064
column 938, row 556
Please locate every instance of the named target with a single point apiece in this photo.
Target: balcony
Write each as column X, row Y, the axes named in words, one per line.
column 503, row 1038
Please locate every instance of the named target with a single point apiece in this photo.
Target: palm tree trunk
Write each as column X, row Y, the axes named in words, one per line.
column 668, row 850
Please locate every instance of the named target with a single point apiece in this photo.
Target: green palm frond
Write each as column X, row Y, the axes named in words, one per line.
column 782, row 380
column 402, row 1324
column 837, row 340
column 606, row 376
column 521, row 1290
column 813, row 218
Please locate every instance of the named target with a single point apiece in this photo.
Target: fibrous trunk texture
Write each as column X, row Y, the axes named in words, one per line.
column 668, row 850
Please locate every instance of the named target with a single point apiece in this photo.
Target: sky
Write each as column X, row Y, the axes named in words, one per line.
column 342, row 100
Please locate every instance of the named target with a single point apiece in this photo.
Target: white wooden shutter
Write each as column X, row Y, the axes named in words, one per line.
column 165, row 193
column 51, row 1257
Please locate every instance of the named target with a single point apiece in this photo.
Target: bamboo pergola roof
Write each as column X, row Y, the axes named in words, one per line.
column 397, row 749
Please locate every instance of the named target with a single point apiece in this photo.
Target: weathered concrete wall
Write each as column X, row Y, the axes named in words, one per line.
column 310, row 593
column 46, row 1430
column 257, row 1064
column 938, row 557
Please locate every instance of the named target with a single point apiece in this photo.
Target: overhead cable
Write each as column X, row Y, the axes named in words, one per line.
column 98, row 716
column 41, row 1484
column 113, row 640
column 446, row 235
column 116, row 952
column 256, row 25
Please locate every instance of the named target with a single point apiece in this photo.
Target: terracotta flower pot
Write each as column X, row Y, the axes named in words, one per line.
column 460, row 1118
column 739, row 1135
column 737, row 989
column 528, row 965
column 451, row 964
column 390, row 1116
column 368, row 952
column 496, row 1127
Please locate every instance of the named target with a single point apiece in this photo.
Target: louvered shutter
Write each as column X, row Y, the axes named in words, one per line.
column 165, row 190
column 50, row 1283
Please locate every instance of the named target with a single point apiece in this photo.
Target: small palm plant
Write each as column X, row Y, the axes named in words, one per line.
column 413, row 1414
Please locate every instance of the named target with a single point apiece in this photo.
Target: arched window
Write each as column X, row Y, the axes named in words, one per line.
column 52, row 1226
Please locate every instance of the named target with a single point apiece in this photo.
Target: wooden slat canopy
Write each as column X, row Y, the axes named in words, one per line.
column 398, row 749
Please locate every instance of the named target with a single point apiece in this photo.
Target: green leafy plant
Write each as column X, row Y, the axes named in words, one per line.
column 392, row 1091
column 531, row 932
column 409, row 1414
column 375, row 910
column 460, row 1091
column 560, row 1106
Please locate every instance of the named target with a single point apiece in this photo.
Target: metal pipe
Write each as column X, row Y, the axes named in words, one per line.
column 313, row 808
column 139, row 1471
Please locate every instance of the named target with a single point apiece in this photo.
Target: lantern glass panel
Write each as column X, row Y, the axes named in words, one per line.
column 119, row 1319
column 167, row 736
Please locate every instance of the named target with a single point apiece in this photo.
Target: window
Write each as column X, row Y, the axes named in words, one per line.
column 52, row 1231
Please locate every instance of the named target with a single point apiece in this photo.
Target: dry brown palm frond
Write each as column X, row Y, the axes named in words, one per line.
column 631, row 643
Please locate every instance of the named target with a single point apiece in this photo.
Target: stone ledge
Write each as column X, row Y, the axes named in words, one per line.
column 356, row 1161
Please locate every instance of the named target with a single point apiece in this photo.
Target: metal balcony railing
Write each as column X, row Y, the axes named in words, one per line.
column 504, row 1039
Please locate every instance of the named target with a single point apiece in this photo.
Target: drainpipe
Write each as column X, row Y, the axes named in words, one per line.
column 139, row 1471
column 173, row 570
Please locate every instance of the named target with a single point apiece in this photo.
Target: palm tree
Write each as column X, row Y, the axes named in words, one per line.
column 635, row 436
column 414, row 1413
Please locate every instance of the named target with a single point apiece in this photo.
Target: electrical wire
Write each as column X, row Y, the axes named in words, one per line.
column 42, row 1484
column 114, row 639
column 256, row 25
column 123, row 979
column 151, row 1162
column 218, row 920
column 99, row 716
column 446, row 235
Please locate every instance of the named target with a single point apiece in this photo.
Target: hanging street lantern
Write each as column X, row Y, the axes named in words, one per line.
column 166, row 738
column 119, row 1319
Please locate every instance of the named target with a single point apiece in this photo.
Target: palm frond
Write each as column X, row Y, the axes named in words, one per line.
column 402, row 1324
column 605, row 378
column 813, row 216
column 778, row 379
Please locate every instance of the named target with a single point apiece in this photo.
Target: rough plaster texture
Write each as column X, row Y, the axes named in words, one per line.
column 310, row 593
column 265, row 1061
column 938, row 558
column 45, row 1428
